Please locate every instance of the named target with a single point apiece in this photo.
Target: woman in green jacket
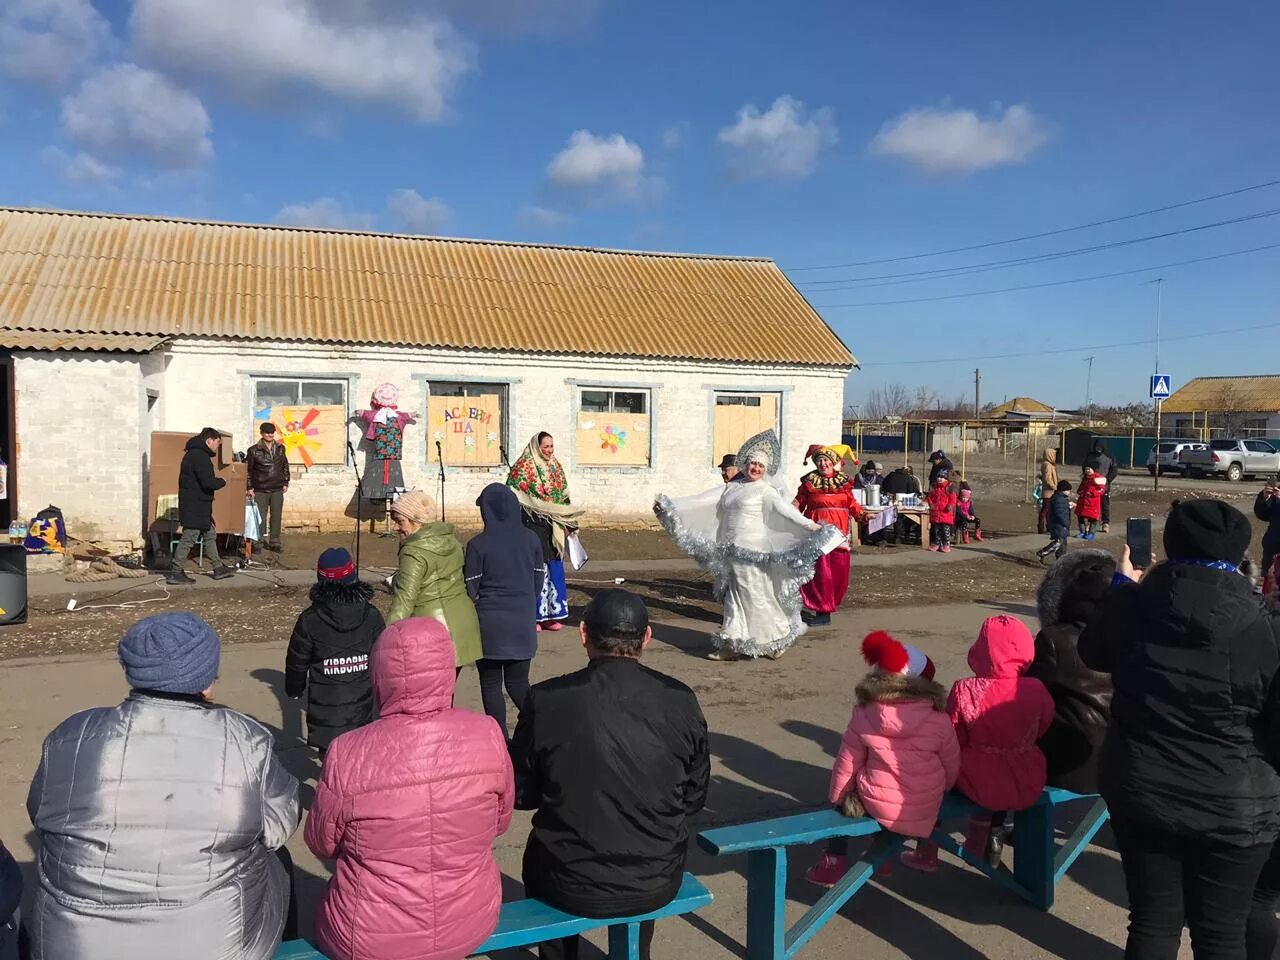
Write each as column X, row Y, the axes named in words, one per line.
column 429, row 581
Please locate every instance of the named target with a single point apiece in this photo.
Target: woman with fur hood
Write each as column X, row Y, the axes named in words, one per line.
column 1068, row 597
column 899, row 754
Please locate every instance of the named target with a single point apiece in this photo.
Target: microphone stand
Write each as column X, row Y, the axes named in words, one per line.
column 355, row 467
column 440, row 461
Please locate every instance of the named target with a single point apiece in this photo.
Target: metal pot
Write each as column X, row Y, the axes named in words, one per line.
column 873, row 495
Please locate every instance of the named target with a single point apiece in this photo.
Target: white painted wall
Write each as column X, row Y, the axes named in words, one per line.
column 91, row 470
column 80, row 424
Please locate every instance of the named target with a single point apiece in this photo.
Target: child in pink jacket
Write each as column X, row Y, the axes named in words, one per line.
column 999, row 714
column 899, row 754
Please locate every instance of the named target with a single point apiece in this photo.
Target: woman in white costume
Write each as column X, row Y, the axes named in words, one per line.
column 759, row 548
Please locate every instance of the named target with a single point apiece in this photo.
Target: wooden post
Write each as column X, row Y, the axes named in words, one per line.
column 906, row 442
column 1027, row 492
column 766, row 904
column 1133, row 431
column 964, row 448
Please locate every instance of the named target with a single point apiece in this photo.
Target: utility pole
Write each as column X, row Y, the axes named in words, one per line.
column 977, row 394
column 1088, row 388
column 1159, row 282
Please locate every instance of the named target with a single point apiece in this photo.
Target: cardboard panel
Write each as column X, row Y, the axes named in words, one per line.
column 469, row 430
column 613, row 439
column 167, row 451
column 735, row 424
column 310, row 434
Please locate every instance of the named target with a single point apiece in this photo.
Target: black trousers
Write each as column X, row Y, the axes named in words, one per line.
column 494, row 674
column 1175, row 881
column 290, row 917
column 1106, row 505
column 1262, row 932
column 566, row 948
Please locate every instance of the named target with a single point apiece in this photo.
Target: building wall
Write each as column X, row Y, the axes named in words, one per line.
column 80, row 440
column 210, row 383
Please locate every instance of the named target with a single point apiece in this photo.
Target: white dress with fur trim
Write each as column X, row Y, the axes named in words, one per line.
column 760, row 549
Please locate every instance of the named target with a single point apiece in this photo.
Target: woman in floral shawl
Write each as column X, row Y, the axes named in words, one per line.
column 539, row 483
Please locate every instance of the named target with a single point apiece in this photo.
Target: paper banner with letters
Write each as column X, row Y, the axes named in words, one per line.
column 469, row 430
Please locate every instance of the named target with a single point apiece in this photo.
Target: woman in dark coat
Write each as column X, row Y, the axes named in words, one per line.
column 505, row 572
column 1186, row 767
column 1067, row 599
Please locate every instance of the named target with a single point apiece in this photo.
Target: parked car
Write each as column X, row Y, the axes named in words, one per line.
column 1233, row 459
column 1169, row 456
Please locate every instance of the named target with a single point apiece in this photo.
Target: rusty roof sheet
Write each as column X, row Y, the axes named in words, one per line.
column 100, row 273
column 1226, row 395
column 15, row 339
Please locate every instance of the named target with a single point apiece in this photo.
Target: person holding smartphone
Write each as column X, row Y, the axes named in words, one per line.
column 1267, row 507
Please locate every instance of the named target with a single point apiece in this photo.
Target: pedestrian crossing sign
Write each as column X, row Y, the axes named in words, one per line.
column 1160, row 387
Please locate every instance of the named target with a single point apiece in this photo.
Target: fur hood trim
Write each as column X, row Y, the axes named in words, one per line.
column 1060, row 576
column 878, row 687
column 341, row 594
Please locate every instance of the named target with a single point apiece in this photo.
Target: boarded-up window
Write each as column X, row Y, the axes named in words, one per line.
column 613, row 428
column 738, row 418
column 310, row 418
column 468, row 420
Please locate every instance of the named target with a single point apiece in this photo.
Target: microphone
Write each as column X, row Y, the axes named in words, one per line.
column 351, row 449
column 439, row 453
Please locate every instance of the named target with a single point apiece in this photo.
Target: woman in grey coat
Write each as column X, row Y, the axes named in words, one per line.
column 158, row 818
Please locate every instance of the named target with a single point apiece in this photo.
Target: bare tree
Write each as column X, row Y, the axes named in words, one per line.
column 1231, row 409
column 887, row 401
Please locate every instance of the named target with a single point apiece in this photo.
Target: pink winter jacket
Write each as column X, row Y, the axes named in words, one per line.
column 410, row 806
column 899, row 753
column 999, row 715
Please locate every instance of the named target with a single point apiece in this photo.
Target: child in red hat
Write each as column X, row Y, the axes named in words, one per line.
column 899, row 754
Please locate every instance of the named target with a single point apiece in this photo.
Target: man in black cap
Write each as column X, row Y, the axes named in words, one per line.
column 614, row 758
column 269, row 482
column 1187, row 764
column 729, row 468
column 938, row 462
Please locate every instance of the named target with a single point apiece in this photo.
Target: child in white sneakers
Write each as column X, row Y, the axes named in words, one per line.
column 899, row 754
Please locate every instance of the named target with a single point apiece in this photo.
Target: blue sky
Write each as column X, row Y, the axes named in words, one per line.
column 818, row 133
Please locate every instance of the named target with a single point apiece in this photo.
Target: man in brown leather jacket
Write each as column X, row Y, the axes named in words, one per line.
column 269, row 481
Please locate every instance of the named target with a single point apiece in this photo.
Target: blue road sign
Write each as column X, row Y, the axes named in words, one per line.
column 1160, row 387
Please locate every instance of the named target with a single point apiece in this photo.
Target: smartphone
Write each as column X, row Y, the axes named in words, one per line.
column 1138, row 537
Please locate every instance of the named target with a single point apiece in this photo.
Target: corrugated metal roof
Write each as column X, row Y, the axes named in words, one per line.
column 12, row 339
column 99, row 273
column 1020, row 405
column 1227, row 395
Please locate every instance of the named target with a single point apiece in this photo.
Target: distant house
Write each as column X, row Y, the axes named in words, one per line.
column 1218, row 406
column 1030, row 415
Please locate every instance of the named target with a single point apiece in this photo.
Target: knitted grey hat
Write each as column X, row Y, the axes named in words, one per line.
column 170, row 652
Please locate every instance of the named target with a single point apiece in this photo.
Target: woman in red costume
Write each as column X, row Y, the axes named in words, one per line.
column 826, row 496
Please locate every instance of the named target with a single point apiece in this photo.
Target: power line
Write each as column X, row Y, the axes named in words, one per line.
column 1060, row 350
column 942, row 273
column 1038, row 236
column 1049, row 283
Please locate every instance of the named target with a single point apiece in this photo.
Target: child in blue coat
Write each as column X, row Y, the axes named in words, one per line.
column 1059, row 522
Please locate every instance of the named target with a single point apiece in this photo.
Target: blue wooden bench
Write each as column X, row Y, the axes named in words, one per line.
column 1038, row 862
column 523, row 923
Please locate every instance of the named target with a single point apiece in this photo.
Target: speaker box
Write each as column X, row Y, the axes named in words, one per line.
column 13, row 583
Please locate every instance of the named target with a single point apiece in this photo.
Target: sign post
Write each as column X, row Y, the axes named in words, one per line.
column 1159, row 393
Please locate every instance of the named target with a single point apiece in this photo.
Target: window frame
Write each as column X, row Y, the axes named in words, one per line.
column 505, row 417
column 648, row 391
column 346, row 380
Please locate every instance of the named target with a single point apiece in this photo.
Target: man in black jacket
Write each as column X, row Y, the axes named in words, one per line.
column 268, row 468
column 1267, row 508
column 197, row 484
column 1104, row 465
column 615, row 760
column 939, row 461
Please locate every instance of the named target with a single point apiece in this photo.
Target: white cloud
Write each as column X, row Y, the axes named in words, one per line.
column 323, row 214
column 541, row 219
column 124, row 111
column 416, row 214
column 602, row 169
column 782, row 143
column 83, row 168
column 941, row 140
column 50, row 41
column 273, row 47
column 502, row 16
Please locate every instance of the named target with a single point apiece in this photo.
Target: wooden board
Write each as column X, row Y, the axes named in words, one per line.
column 735, row 424
column 311, row 435
column 613, row 439
column 469, row 430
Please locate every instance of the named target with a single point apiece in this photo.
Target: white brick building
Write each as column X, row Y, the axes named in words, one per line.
column 120, row 326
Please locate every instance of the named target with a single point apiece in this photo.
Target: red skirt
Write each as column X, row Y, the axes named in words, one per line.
column 826, row 591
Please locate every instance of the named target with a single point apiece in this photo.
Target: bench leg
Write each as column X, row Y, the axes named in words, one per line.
column 766, row 904
column 624, row 941
column 1033, row 850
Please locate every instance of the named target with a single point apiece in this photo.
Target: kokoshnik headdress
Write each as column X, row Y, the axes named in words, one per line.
column 764, row 447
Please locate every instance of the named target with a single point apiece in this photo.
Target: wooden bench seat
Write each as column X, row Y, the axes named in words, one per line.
column 525, row 922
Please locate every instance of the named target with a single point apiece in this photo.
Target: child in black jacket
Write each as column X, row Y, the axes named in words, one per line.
column 329, row 651
column 1059, row 522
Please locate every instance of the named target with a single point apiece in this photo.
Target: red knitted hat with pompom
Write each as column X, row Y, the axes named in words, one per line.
column 884, row 653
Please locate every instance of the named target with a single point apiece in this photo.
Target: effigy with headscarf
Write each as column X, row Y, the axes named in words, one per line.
column 384, row 429
column 757, row 545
